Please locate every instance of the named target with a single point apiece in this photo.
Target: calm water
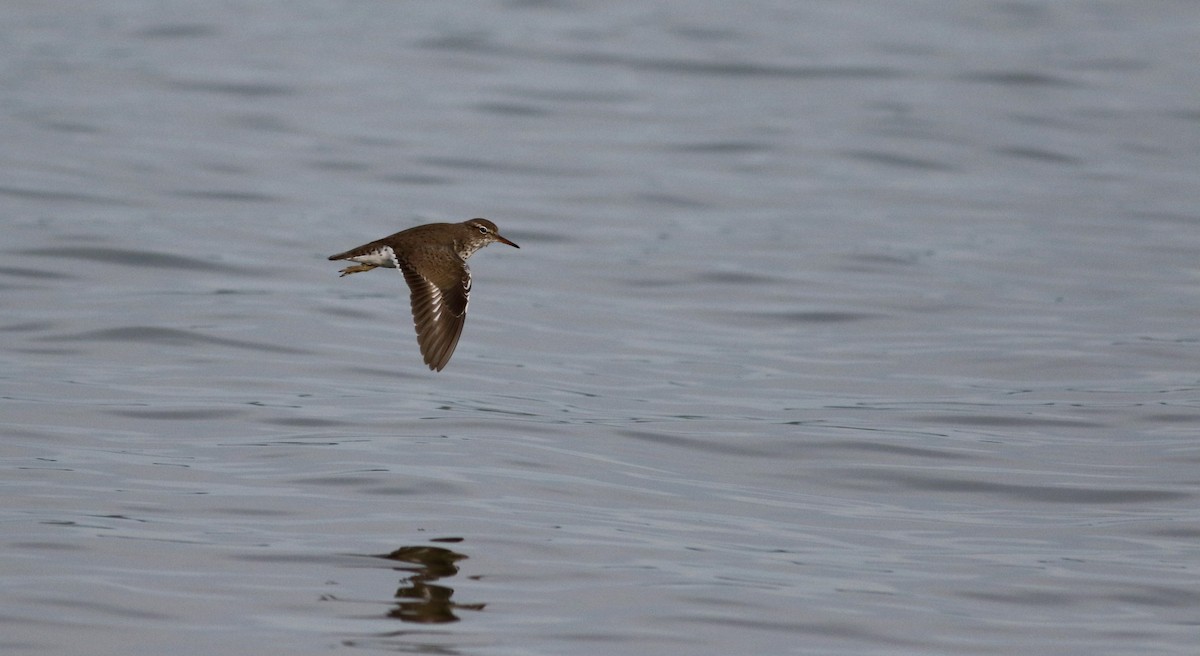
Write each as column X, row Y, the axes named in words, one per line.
column 837, row 328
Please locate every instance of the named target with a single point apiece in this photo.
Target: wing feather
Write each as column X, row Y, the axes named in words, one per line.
column 439, row 313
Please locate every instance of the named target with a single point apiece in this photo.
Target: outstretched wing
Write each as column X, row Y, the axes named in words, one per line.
column 439, row 306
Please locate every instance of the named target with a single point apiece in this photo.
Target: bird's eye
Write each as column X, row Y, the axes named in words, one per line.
column 483, row 230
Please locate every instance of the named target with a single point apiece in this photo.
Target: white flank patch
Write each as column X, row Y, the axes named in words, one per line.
column 384, row 257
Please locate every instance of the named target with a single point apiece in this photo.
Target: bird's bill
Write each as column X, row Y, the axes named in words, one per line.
column 502, row 240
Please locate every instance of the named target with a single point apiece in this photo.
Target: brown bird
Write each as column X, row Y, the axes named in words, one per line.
column 433, row 259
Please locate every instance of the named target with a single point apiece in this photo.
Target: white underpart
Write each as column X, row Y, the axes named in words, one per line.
column 384, row 257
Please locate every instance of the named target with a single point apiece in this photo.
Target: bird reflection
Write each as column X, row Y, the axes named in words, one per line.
column 420, row 601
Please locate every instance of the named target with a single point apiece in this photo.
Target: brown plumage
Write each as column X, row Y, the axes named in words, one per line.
column 433, row 259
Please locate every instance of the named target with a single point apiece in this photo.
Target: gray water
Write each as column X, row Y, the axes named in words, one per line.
column 837, row 328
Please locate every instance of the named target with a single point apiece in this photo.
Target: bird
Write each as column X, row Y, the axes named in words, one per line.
column 433, row 259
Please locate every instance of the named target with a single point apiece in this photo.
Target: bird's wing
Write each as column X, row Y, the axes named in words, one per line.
column 439, row 307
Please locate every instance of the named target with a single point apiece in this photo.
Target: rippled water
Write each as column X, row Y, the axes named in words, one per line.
column 837, row 328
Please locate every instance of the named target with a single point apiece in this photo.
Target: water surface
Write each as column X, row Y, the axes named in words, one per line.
column 857, row 328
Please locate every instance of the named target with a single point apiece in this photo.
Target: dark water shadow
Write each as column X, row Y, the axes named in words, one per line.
column 419, row 599
column 135, row 258
column 168, row 337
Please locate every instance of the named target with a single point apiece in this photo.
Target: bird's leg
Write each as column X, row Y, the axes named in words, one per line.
column 356, row 269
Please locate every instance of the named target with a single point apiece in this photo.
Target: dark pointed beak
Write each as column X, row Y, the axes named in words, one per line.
column 502, row 240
